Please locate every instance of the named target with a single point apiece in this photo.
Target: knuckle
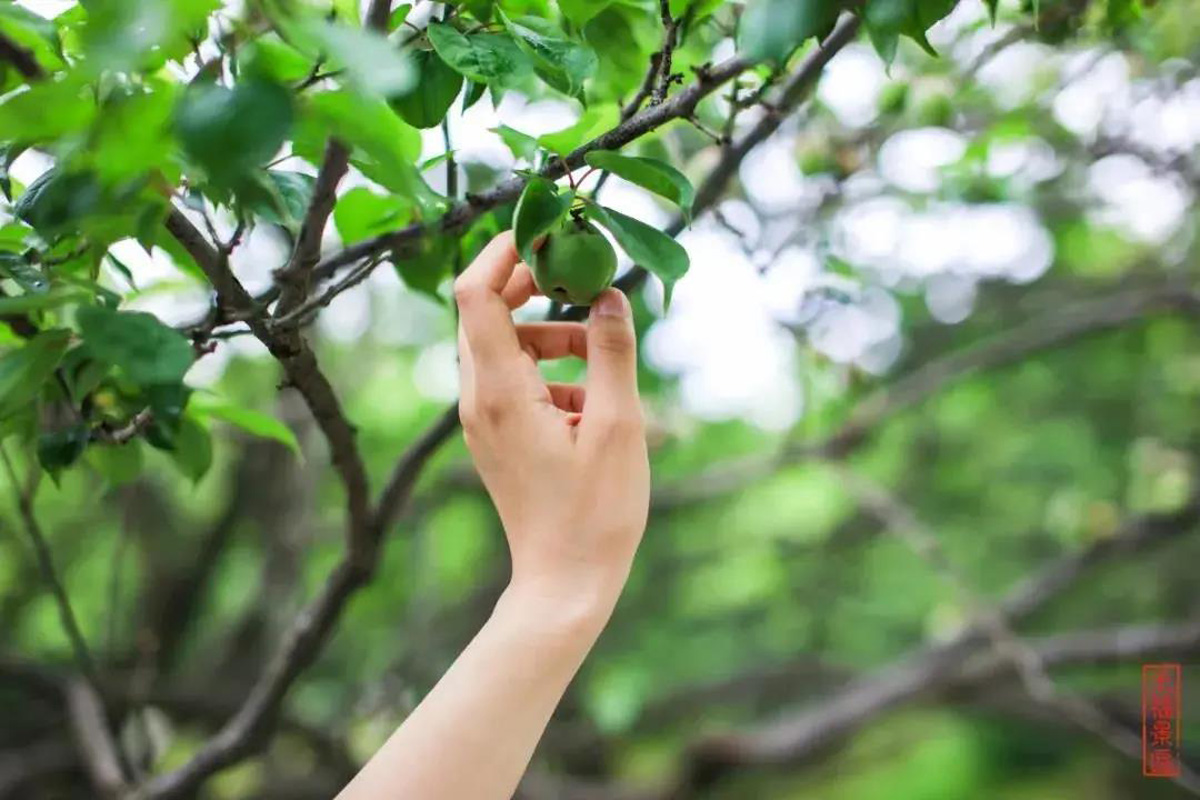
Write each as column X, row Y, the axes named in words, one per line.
column 468, row 416
column 465, row 290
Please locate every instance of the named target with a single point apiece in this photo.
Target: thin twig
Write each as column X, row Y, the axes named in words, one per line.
column 92, row 725
column 1032, row 671
column 24, row 499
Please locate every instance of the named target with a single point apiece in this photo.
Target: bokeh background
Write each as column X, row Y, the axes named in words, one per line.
column 952, row 299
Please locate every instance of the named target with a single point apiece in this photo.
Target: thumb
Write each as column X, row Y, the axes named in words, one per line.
column 612, row 395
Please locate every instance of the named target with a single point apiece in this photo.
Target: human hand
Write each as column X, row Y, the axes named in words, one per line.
column 565, row 465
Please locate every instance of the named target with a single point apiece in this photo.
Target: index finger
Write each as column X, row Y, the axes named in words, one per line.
column 483, row 313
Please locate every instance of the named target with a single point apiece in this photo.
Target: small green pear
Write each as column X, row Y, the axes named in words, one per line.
column 575, row 264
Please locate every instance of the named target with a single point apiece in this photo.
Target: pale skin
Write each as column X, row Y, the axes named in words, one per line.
column 567, row 470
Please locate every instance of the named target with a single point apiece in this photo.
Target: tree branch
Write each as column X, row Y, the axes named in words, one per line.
column 791, row 97
column 45, row 561
column 1023, row 658
column 681, row 106
column 799, row 736
column 250, row 727
column 97, row 748
column 296, row 277
column 398, row 490
column 1062, row 326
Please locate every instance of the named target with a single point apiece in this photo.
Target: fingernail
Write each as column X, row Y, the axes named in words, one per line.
column 611, row 304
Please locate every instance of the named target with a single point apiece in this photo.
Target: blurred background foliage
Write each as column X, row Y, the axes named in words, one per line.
column 954, row 292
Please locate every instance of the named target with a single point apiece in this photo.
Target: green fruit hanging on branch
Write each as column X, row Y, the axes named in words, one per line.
column 575, row 263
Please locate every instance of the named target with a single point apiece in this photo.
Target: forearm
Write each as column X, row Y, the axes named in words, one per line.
column 473, row 735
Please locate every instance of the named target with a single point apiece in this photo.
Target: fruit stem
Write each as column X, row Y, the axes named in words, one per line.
column 570, row 177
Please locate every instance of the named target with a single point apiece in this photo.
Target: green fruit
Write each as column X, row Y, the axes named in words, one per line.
column 576, row 263
column 936, row 110
column 893, row 98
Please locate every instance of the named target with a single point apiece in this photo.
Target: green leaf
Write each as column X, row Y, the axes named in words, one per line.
column 389, row 147
column 147, row 351
column 772, row 29
column 167, row 403
column 482, row 57
column 399, row 15
column 47, row 110
column 229, row 132
column 270, row 58
column 347, row 11
column 591, row 124
column 437, row 87
column 540, row 209
column 887, row 20
column 133, row 132
column 425, row 270
column 931, row 12
column 23, row 371
column 648, row 247
column 60, row 449
column 132, row 35
column 192, row 449
column 373, row 64
column 560, row 62
column 649, row 173
column 118, row 464
column 580, row 12
column 361, row 214
column 24, row 304
column 522, row 145
column 279, row 197
column 57, row 201
column 26, row 275
column 33, row 33
column 253, row 422
column 473, row 94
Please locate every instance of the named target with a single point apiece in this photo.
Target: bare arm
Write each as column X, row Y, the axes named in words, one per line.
column 566, row 467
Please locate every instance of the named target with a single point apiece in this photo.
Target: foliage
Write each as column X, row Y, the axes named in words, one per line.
column 201, row 347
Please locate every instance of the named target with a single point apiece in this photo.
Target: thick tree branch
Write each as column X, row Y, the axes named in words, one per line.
column 250, row 727
column 295, row 278
column 398, row 490
column 1026, row 662
column 795, row 738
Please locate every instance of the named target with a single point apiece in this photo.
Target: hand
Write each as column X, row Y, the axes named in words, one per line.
column 565, row 465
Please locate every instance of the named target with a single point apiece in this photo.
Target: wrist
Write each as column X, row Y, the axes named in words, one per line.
column 570, row 607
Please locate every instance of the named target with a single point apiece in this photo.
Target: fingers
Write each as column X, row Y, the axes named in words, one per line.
column 549, row 340
column 520, row 287
column 483, row 313
column 612, row 367
column 567, row 397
